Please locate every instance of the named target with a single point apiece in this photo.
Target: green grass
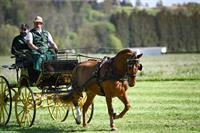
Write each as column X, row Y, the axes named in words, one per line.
column 171, row 67
column 157, row 107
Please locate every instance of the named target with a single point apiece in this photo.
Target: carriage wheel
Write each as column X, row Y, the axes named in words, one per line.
column 57, row 110
column 89, row 113
column 25, row 107
column 5, row 101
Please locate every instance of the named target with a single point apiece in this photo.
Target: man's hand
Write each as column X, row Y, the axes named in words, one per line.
column 40, row 51
column 56, row 50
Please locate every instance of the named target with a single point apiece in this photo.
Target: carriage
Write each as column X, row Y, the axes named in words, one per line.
column 26, row 97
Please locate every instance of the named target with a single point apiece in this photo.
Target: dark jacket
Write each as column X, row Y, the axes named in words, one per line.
column 18, row 45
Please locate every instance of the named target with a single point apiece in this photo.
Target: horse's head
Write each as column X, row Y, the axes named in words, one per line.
column 126, row 63
column 133, row 65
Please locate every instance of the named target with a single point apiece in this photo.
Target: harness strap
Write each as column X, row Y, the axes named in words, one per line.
column 82, row 88
column 97, row 74
column 100, row 86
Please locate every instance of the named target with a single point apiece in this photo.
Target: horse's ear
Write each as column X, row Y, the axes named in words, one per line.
column 139, row 56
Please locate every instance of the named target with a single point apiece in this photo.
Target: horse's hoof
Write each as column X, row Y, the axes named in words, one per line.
column 114, row 129
column 78, row 122
column 78, row 119
column 85, row 126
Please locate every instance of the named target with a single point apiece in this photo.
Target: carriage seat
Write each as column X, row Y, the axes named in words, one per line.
column 59, row 66
column 23, row 60
column 56, row 72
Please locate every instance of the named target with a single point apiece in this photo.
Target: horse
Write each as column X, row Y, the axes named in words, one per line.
column 109, row 77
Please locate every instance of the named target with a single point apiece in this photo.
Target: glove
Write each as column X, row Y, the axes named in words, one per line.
column 56, row 50
column 40, row 51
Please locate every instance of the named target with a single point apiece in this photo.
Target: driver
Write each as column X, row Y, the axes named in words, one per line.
column 42, row 46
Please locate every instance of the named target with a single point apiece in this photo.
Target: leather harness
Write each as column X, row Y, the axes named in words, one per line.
column 110, row 74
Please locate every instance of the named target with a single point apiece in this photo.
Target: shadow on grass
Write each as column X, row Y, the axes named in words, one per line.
column 16, row 128
column 53, row 129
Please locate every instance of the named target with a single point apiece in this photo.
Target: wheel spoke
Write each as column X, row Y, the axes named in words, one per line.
column 22, row 117
column 5, row 108
column 25, row 93
column 3, row 116
column 4, row 89
column 30, row 115
column 20, row 112
column 56, row 112
column 22, row 96
column 53, row 110
column 26, row 119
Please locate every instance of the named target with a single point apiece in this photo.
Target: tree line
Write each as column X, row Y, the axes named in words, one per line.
column 103, row 27
column 177, row 27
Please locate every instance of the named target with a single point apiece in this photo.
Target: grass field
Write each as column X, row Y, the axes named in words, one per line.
column 166, row 99
column 159, row 107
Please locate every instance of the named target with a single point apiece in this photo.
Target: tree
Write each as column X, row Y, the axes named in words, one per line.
column 107, row 7
column 120, row 20
column 8, row 32
column 146, row 5
column 114, row 42
column 126, row 3
column 138, row 3
column 116, row 2
column 103, row 30
column 159, row 4
column 88, row 38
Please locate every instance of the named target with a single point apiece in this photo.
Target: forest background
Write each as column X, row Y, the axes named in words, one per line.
column 92, row 27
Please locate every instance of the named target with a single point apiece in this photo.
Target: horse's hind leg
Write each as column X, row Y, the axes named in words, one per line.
column 78, row 111
column 86, row 105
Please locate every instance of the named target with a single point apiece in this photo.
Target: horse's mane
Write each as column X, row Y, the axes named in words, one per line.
column 125, row 51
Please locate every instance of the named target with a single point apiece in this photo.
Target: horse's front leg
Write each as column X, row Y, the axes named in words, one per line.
column 110, row 112
column 124, row 99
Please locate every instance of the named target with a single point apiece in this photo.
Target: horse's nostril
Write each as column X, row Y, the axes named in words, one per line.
column 140, row 67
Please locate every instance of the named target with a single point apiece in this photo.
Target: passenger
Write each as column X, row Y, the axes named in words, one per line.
column 19, row 44
column 20, row 48
column 42, row 46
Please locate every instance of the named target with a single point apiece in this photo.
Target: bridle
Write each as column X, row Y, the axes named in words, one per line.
column 131, row 63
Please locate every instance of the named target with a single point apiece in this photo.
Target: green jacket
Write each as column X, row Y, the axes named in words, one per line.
column 41, row 41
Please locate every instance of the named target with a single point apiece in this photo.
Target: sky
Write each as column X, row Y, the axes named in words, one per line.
column 152, row 3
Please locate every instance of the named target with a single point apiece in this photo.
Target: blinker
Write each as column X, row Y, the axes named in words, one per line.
column 132, row 61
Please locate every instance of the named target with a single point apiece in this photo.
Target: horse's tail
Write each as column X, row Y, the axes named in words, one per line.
column 73, row 95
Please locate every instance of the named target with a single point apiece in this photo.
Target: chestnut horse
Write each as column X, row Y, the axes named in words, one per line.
column 109, row 78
